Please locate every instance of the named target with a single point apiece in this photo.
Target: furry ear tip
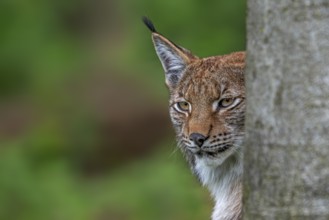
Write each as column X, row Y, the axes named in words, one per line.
column 149, row 24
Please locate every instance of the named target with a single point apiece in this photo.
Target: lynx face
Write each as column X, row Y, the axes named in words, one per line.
column 207, row 107
column 207, row 101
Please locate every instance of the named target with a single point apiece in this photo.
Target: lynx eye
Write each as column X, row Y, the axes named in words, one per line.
column 182, row 106
column 226, row 102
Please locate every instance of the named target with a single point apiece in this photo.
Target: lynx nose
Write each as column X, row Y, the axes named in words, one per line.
column 197, row 138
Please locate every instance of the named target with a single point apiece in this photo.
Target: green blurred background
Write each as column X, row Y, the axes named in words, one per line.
column 84, row 128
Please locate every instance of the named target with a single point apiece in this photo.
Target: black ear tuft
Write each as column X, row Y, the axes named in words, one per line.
column 149, row 24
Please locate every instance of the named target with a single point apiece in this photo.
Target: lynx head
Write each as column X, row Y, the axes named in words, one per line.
column 207, row 100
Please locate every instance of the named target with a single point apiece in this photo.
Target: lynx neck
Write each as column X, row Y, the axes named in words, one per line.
column 224, row 182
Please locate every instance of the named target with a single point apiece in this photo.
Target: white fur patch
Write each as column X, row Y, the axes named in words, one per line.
column 170, row 59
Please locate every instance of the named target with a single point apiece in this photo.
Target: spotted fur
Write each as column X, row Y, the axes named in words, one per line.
column 202, row 84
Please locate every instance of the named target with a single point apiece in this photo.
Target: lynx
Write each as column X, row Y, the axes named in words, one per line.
column 207, row 110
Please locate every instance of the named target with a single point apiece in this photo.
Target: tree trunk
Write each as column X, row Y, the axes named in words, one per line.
column 287, row 120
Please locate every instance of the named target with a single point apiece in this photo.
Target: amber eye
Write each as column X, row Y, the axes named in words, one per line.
column 226, row 102
column 183, row 106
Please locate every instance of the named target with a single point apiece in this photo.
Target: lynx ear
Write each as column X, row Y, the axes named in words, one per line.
column 174, row 59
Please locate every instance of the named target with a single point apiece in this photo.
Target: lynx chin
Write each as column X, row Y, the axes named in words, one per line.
column 207, row 109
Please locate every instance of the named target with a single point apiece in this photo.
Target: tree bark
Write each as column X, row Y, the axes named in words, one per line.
column 287, row 121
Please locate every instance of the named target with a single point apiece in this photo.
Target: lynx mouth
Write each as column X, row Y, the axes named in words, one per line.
column 212, row 153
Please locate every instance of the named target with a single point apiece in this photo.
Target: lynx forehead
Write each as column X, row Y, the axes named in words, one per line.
column 207, row 109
